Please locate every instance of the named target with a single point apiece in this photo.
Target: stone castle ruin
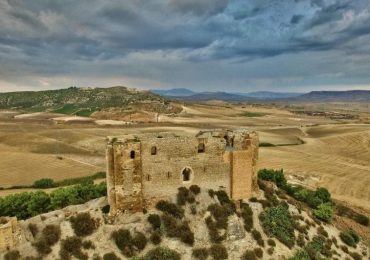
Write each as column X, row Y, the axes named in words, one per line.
column 142, row 169
column 9, row 230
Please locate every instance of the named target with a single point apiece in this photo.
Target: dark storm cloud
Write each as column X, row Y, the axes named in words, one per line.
column 150, row 39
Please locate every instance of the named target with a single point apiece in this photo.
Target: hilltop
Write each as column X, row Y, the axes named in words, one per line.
column 83, row 101
column 282, row 221
column 345, row 96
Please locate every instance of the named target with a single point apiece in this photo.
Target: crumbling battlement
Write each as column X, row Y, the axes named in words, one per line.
column 8, row 233
column 141, row 169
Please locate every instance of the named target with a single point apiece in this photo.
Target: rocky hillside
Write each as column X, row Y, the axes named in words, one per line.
column 197, row 224
column 83, row 101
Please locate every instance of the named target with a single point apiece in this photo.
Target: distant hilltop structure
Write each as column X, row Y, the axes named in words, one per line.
column 142, row 169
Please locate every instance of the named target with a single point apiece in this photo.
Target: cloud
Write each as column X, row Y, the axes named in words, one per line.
column 184, row 42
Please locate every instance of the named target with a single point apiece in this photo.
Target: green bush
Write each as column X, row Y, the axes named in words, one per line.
column 348, row 212
column 170, row 208
column 162, row 253
column 324, row 212
column 200, row 253
column 44, row 183
column 155, row 221
column 277, row 221
column 83, row 224
column 349, row 237
column 195, row 189
column 218, row 252
column 27, row 204
column 300, row 255
column 276, row 176
column 111, row 256
column 271, row 242
column 105, row 209
column 12, row 255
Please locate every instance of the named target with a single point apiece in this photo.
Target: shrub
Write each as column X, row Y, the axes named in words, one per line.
column 278, row 222
column 123, row 240
column 218, row 252
column 220, row 213
column 193, row 209
column 71, row 246
column 195, row 189
column 249, row 255
column 170, row 225
column 259, row 252
column 44, row 183
column 111, row 256
column 300, row 240
column 162, row 253
column 314, row 247
column 355, row 255
column 276, row 176
column 156, row 238
column 105, row 209
column 155, row 221
column 348, row 212
column 88, row 244
column 83, row 224
column 186, row 235
column 170, row 208
column 270, row 250
column 211, row 193
column 33, row 229
column 257, row 236
column 324, row 212
column 247, row 215
column 271, row 242
column 322, row 231
column 42, row 246
column 214, row 235
column 12, row 255
column 222, row 197
column 51, row 233
column 182, row 196
column 139, row 241
column 300, row 255
column 349, row 237
column 200, row 253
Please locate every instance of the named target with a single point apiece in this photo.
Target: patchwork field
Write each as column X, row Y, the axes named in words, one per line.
column 312, row 150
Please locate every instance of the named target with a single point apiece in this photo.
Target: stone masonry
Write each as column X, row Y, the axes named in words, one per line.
column 8, row 233
column 142, row 169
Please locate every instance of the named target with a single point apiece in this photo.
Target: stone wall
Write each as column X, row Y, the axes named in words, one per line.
column 145, row 168
column 8, row 233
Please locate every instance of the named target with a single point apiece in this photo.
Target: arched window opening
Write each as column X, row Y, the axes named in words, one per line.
column 148, row 177
column 153, row 150
column 201, row 148
column 186, row 174
column 132, row 154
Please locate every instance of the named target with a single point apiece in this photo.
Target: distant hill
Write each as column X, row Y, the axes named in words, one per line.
column 179, row 92
column 187, row 94
column 344, row 96
column 78, row 101
column 205, row 96
column 270, row 94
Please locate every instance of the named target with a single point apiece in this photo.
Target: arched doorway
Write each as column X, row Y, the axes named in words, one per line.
column 187, row 174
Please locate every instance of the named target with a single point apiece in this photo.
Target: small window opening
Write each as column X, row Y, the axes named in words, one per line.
column 168, row 175
column 201, row 148
column 153, row 151
column 148, row 177
column 186, row 174
column 132, row 154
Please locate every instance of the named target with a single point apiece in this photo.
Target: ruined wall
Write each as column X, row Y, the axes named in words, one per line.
column 8, row 233
column 163, row 171
column 215, row 160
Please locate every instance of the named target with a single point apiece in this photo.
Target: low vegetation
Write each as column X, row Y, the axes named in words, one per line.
column 129, row 244
column 344, row 211
column 83, row 224
column 349, row 237
column 252, row 114
column 278, row 222
column 50, row 235
column 27, row 204
column 170, row 208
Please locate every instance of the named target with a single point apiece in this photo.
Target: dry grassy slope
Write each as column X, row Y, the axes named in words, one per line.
column 338, row 156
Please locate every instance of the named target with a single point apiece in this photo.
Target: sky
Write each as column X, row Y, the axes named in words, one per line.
column 203, row 45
